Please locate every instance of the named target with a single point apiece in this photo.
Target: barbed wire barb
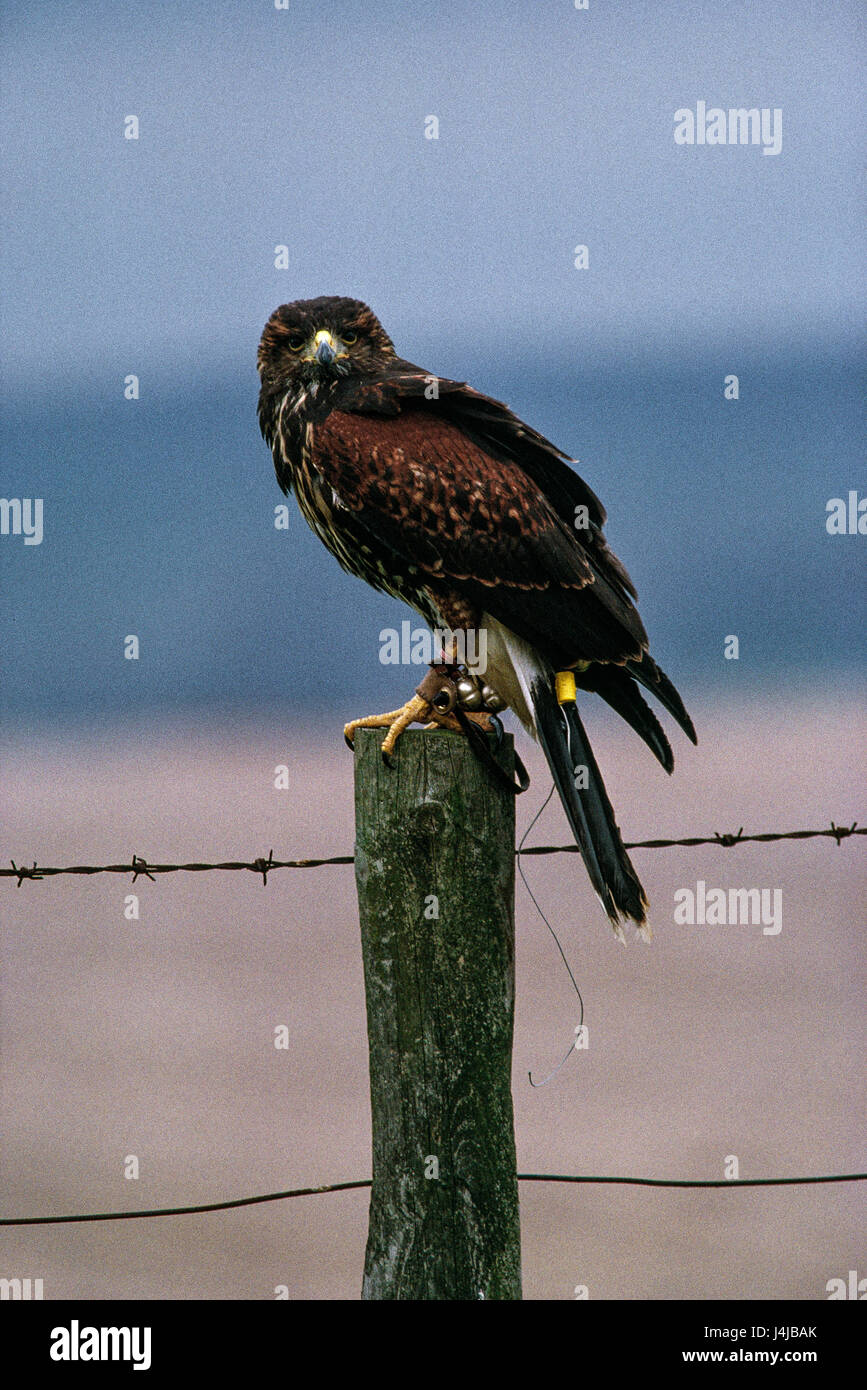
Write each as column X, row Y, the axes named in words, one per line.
column 140, row 866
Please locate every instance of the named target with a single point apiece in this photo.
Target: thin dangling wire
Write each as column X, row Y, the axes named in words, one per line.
column 560, row 1065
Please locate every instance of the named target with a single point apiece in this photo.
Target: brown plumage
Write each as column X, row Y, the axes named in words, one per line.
column 442, row 497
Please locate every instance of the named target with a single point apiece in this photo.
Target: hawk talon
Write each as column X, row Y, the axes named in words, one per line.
column 395, row 721
column 417, row 709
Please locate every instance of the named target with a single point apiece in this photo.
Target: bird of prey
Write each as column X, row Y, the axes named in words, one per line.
column 442, row 497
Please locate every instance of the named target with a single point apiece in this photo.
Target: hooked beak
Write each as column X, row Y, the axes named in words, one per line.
column 325, row 347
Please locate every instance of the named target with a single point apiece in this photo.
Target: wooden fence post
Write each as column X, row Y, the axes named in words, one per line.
column 435, row 870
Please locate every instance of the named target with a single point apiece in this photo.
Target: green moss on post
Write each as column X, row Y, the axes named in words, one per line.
column 435, row 869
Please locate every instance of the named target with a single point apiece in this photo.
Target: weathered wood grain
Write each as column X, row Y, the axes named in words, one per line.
column 435, row 871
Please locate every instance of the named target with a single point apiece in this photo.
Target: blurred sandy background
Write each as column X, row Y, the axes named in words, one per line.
column 155, row 1037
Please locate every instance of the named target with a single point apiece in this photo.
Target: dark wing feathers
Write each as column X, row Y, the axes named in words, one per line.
column 426, row 490
column 654, row 679
column 500, row 433
column 616, row 686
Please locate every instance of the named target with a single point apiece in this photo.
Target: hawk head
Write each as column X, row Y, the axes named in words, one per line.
column 313, row 340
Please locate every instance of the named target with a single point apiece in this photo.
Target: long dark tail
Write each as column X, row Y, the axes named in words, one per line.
column 585, row 800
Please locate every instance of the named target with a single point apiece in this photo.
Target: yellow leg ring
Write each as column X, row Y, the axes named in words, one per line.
column 564, row 686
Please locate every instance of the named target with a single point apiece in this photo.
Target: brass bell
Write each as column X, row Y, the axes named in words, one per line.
column 445, row 698
column 491, row 700
column 469, row 694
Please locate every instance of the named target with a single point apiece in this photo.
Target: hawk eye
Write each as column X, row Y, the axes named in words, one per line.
column 296, row 341
column 349, row 338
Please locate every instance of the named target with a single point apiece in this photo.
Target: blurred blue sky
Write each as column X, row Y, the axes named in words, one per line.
column 306, row 127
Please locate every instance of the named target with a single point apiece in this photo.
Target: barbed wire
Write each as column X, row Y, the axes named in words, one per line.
column 366, row 1182
column 139, row 867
